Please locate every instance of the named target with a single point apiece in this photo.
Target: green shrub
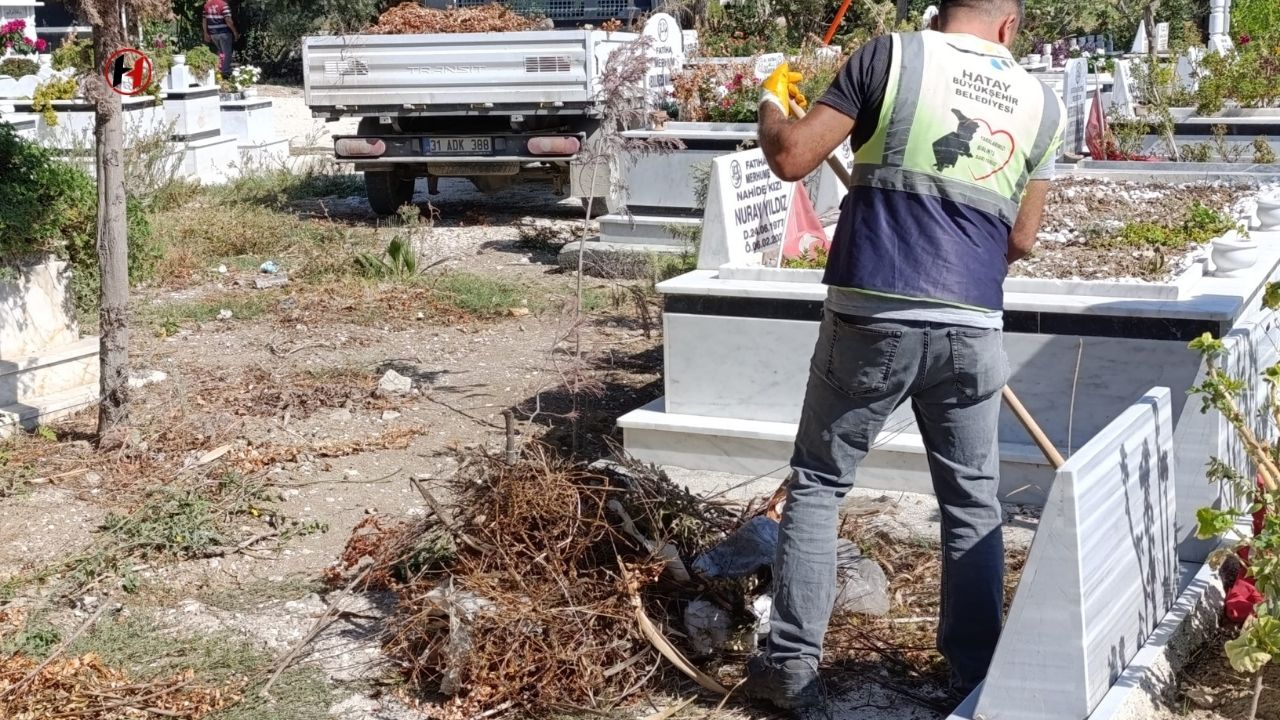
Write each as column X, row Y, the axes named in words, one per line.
column 16, row 67
column 74, row 54
column 1254, row 17
column 50, row 91
column 201, row 60
column 48, row 206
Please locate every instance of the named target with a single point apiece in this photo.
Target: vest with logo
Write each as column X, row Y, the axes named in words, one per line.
column 936, row 188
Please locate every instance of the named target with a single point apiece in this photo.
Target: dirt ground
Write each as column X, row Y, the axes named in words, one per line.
column 198, row 540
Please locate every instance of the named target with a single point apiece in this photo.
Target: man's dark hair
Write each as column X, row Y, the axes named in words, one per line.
column 993, row 8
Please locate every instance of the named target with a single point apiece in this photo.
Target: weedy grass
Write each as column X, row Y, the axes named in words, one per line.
column 138, row 644
column 167, row 318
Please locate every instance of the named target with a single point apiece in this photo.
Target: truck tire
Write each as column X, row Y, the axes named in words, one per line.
column 387, row 191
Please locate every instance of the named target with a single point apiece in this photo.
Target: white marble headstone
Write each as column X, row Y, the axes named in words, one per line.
column 766, row 64
column 1122, row 90
column 1188, row 68
column 1075, row 87
column 1162, row 37
column 826, row 191
column 8, row 87
column 690, row 40
column 1140, row 40
column 666, row 54
column 746, row 214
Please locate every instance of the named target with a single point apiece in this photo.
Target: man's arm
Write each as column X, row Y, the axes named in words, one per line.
column 231, row 23
column 1023, row 236
column 795, row 149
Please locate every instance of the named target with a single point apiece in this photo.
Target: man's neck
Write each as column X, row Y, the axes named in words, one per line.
column 981, row 31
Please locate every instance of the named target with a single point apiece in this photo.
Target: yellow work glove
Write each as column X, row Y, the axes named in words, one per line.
column 781, row 87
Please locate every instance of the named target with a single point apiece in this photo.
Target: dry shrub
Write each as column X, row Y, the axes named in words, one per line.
column 518, row 597
column 83, row 687
column 411, row 18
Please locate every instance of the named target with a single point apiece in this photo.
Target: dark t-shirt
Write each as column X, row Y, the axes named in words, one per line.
column 858, row 89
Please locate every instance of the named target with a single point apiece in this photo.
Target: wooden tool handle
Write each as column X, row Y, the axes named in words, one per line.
column 836, row 166
column 1033, row 429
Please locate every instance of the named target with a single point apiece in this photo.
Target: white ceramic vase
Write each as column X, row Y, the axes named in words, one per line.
column 1269, row 211
column 1232, row 254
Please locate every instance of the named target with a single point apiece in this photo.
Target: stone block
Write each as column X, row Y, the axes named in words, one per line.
column 35, row 312
column 194, row 113
column 1101, row 574
column 251, row 121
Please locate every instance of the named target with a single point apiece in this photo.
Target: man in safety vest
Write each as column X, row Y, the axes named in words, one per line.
column 954, row 148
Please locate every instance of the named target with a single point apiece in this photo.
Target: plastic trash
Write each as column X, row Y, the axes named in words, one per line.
column 863, row 587
column 745, row 551
column 707, row 625
column 269, row 267
column 762, row 607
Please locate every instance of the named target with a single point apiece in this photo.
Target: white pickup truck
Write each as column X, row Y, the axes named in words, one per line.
column 494, row 108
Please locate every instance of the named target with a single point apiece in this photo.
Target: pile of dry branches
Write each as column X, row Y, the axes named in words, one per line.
column 532, row 589
column 412, row 18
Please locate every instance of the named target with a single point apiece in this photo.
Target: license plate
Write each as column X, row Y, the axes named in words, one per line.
column 457, row 146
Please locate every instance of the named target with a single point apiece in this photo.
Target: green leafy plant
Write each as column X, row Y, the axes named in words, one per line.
column 50, row 91
column 1249, row 76
column 814, row 259
column 398, row 262
column 202, row 61
column 16, row 67
column 1259, row 639
column 48, row 206
column 74, row 54
column 1199, row 225
column 1201, row 152
column 1254, row 18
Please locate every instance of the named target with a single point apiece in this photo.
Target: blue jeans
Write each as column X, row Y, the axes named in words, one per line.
column 862, row 370
column 225, row 44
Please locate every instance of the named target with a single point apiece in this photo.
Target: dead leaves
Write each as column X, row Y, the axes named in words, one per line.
column 411, row 18
column 86, row 688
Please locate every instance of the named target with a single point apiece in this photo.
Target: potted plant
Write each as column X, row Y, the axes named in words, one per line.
column 13, row 39
column 242, row 81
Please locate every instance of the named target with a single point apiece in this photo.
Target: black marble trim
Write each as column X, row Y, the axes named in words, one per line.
column 246, row 108
column 196, row 95
column 721, row 145
column 1018, row 321
column 197, row 136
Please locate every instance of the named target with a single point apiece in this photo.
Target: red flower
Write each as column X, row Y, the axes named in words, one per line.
column 42, row 45
column 1245, row 39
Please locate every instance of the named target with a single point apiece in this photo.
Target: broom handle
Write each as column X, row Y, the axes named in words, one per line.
column 1033, row 429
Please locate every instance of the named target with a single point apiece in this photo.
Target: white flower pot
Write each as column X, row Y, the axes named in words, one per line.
column 249, row 92
column 1232, row 254
column 1269, row 211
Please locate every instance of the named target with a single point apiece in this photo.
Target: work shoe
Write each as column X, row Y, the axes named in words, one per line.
column 792, row 686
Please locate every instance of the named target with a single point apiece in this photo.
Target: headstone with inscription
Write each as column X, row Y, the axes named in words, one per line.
column 666, row 55
column 766, row 64
column 690, row 38
column 1162, row 37
column 746, row 214
column 11, row 10
column 1075, row 87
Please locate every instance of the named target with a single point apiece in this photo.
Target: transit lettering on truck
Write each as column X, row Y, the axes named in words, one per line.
column 445, row 69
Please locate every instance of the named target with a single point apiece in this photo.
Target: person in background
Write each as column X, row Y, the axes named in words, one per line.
column 220, row 31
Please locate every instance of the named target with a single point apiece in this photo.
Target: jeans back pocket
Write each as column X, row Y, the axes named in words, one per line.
column 858, row 359
column 978, row 361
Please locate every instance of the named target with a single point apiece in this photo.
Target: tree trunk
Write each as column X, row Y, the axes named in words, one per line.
column 113, row 229
column 904, row 7
column 1149, row 20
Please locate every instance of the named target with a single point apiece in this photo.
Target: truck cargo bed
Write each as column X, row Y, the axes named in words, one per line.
column 538, row 72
